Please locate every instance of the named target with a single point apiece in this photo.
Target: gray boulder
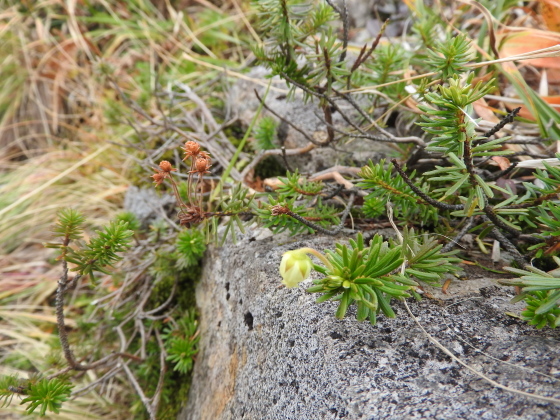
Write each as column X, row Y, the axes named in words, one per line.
column 268, row 352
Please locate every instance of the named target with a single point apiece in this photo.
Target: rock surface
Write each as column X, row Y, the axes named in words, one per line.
column 308, row 117
column 268, row 352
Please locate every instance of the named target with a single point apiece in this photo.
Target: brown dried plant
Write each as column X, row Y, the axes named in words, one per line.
column 191, row 212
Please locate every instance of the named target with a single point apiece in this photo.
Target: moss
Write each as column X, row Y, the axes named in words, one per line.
column 176, row 385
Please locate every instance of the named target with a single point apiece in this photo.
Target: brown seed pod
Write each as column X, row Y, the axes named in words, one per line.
column 192, row 149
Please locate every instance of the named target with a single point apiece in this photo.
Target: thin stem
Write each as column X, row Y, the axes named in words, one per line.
column 509, row 118
column 233, row 160
column 317, row 254
column 449, row 246
column 422, row 194
column 321, row 229
column 61, row 324
column 506, row 243
column 291, row 124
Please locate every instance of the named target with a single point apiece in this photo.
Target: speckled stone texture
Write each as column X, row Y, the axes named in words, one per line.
column 268, row 352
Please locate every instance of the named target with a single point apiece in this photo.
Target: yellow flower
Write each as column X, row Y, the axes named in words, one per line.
column 295, row 267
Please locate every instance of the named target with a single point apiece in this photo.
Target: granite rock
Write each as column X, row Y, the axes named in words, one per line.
column 267, row 352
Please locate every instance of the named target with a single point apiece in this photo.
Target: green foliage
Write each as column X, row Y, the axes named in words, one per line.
column 542, row 309
column 451, row 56
column 102, row 249
column 387, row 65
column 69, row 225
column 190, row 245
column 265, row 134
column 294, row 186
column 131, row 219
column 385, row 187
column 319, row 214
column 454, row 130
column 47, row 394
column 448, row 116
column 300, row 197
column 326, row 64
column 425, row 261
column 301, row 43
column 372, row 275
column 232, row 205
column 181, row 342
column 10, row 385
column 541, row 292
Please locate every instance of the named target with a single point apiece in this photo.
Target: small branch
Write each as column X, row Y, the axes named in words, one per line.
column 345, row 25
column 487, row 209
column 500, row 174
column 334, row 193
column 339, row 179
column 363, row 56
column 274, row 152
column 508, row 119
column 421, row 194
column 506, row 243
column 449, row 246
column 329, row 121
column 536, row 202
column 336, row 9
column 321, row 229
column 138, row 389
column 351, row 101
column 61, row 324
column 105, row 377
column 288, row 167
column 473, row 370
column 291, row 124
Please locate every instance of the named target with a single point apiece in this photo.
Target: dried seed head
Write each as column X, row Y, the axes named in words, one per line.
column 201, row 165
column 159, row 177
column 192, row 149
column 165, row 166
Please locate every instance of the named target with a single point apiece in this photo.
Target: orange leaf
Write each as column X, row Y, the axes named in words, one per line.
column 550, row 12
column 527, row 41
column 485, row 111
column 502, row 162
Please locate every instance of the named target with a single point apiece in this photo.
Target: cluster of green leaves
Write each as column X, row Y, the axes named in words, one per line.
column 232, row 205
column 541, row 292
column 102, row 250
column 389, row 65
column 384, row 187
column 294, row 185
column 265, row 133
column 47, row 394
column 318, row 213
column 301, row 43
column 301, row 197
column 99, row 255
column 190, row 247
column 181, row 342
column 36, row 393
column 451, row 56
column 372, row 275
column 447, row 119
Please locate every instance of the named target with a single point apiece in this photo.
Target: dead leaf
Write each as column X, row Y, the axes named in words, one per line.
column 502, row 162
column 527, row 41
column 550, row 12
column 485, row 111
